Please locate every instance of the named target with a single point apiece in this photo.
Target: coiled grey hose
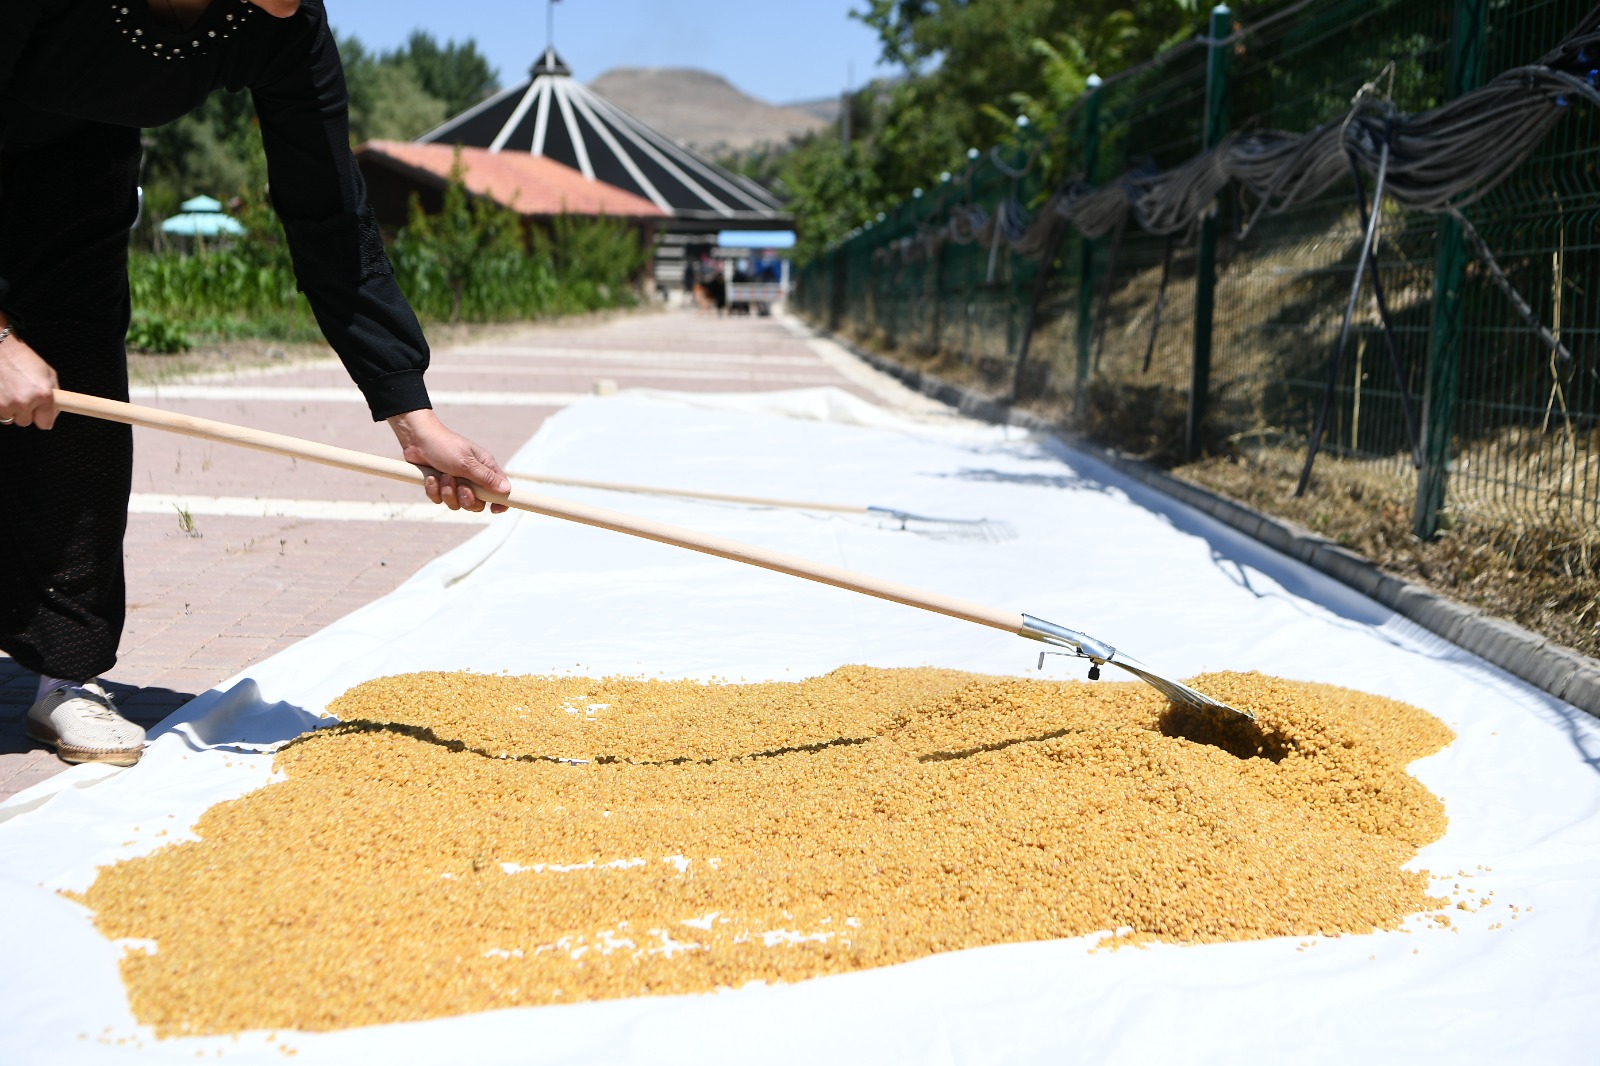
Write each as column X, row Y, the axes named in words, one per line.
column 1447, row 157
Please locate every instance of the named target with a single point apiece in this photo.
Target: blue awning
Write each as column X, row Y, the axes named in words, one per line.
column 202, row 217
column 201, row 205
column 208, row 224
column 734, row 238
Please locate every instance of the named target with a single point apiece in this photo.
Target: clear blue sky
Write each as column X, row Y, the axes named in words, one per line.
column 777, row 50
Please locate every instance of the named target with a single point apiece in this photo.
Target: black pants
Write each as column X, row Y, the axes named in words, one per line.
column 65, row 210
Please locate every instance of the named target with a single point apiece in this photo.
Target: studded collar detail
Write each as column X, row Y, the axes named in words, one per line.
column 139, row 25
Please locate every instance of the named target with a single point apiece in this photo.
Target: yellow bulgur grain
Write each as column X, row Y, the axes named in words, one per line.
column 426, row 858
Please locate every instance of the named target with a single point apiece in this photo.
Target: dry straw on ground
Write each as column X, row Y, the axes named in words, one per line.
column 428, row 858
column 1541, row 571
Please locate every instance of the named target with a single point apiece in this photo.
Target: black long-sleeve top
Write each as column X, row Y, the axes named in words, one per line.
column 64, row 63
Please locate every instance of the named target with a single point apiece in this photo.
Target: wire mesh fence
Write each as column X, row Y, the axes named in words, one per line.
column 1222, row 335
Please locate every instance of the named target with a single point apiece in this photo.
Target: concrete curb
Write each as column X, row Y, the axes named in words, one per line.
column 1553, row 668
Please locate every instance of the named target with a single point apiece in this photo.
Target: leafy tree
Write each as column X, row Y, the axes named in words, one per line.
column 206, row 152
column 466, row 233
column 388, row 103
column 396, row 95
column 387, row 100
column 599, row 258
column 456, row 74
column 831, row 190
column 977, row 64
column 400, row 94
column 473, row 260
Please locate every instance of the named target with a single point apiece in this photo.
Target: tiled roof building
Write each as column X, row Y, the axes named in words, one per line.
column 533, row 186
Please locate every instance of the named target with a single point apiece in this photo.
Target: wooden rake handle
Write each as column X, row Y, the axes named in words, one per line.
column 690, row 494
column 616, row 521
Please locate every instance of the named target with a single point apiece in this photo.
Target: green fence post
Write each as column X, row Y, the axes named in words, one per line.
column 838, row 266
column 1205, row 268
column 1041, row 277
column 928, row 271
column 1091, row 165
column 1469, row 41
column 889, row 227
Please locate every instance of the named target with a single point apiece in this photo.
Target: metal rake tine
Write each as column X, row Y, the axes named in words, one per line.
column 1176, row 691
column 1099, row 653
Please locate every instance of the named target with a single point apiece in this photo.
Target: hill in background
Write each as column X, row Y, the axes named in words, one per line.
column 703, row 110
column 826, row 108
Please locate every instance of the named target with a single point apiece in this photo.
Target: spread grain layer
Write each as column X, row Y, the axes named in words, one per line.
column 426, row 857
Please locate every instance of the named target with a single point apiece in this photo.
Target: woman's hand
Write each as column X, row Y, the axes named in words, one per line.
column 451, row 462
column 27, row 385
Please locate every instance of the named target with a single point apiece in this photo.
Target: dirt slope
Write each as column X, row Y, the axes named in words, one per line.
column 702, row 109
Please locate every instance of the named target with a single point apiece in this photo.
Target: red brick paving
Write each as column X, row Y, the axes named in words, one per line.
column 203, row 608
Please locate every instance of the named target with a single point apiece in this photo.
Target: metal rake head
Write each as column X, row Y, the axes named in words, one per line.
column 1176, row 691
column 1099, row 653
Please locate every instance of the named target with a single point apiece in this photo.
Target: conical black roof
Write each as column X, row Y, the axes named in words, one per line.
column 556, row 116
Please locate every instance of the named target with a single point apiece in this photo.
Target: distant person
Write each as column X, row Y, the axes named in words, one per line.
column 717, row 287
column 705, row 271
column 78, row 79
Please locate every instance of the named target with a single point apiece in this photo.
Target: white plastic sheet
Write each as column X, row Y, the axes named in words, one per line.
column 1094, row 551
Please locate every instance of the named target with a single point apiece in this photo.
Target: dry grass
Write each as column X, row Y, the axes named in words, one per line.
column 1541, row 572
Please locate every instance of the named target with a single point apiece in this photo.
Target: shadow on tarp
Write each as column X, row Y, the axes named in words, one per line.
column 1575, row 723
column 1075, row 482
column 1232, row 553
column 18, row 686
column 1231, row 550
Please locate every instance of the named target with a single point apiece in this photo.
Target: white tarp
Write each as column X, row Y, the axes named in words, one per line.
column 1093, row 551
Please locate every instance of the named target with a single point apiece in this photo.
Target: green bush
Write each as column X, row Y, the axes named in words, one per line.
column 227, row 291
column 476, row 261
column 151, row 332
column 242, row 287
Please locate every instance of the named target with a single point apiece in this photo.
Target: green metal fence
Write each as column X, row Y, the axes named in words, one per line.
column 1222, row 339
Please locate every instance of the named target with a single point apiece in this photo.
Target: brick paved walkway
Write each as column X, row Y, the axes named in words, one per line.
column 207, row 602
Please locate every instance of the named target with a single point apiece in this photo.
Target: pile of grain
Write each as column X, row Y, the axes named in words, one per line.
column 427, row 858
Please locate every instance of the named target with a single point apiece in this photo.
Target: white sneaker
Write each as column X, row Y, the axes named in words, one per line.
column 84, row 726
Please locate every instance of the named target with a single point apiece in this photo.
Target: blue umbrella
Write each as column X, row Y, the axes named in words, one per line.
column 202, row 217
